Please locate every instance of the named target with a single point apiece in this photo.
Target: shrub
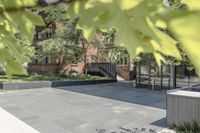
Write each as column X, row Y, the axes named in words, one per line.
column 50, row 77
column 187, row 128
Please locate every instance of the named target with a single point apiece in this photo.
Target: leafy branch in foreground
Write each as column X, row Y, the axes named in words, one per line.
column 135, row 21
column 136, row 24
column 12, row 51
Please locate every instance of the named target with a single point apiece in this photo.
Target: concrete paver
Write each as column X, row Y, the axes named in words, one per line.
column 87, row 109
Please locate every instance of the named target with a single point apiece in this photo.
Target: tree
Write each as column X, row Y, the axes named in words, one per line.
column 108, row 37
column 101, row 40
column 65, row 43
column 117, row 53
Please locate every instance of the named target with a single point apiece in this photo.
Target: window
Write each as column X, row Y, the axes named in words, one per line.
column 36, row 53
column 39, row 35
column 49, row 33
column 47, row 60
column 123, row 61
column 36, row 61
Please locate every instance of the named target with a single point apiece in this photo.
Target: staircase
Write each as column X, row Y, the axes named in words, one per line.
column 102, row 69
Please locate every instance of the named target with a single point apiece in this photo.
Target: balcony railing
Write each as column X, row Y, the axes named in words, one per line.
column 106, row 69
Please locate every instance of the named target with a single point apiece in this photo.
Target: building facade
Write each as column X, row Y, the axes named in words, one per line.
column 49, row 64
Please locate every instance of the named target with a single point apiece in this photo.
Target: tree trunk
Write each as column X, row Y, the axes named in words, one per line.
column 85, row 62
column 85, row 54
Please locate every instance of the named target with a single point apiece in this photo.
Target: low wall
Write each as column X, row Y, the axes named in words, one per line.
column 43, row 84
column 80, row 82
column 183, row 107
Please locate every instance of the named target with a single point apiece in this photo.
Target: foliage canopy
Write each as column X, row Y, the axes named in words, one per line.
column 15, row 19
column 65, row 40
column 135, row 21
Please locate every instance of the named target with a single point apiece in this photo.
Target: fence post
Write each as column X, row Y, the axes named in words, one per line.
column 169, row 83
column 149, row 74
column 139, row 76
column 174, row 76
column 153, row 84
column 135, row 73
column 161, row 77
column 189, row 74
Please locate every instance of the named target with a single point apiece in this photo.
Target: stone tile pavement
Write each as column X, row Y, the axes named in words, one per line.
column 88, row 108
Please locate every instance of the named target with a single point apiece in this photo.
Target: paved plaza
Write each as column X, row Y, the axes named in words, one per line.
column 88, row 108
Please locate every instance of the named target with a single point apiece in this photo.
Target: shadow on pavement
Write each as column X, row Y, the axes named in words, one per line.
column 160, row 123
column 124, row 92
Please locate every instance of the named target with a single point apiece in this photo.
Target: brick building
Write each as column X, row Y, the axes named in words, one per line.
column 49, row 64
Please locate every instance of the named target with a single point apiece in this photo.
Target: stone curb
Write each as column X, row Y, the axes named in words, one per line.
column 44, row 84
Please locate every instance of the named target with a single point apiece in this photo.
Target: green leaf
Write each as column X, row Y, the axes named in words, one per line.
column 189, row 32
column 193, row 4
column 35, row 19
column 22, row 23
column 16, row 4
column 132, row 21
column 159, row 59
column 14, row 53
column 85, row 9
column 9, row 63
column 128, row 4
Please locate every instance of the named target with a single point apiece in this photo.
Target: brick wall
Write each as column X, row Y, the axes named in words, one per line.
column 43, row 68
column 125, row 72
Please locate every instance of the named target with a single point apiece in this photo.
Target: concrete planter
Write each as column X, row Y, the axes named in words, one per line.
column 42, row 84
column 183, row 106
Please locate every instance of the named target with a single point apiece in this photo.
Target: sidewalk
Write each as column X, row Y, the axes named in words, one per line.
column 11, row 124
